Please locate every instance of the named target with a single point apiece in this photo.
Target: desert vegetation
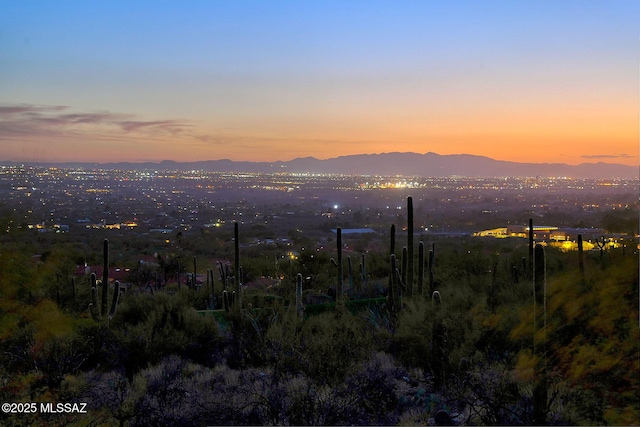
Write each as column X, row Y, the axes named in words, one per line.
column 447, row 333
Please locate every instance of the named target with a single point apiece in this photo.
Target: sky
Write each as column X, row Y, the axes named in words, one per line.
column 525, row 81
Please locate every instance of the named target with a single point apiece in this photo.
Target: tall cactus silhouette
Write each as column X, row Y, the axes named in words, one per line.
column 222, row 271
column 409, row 275
column 211, row 281
column 114, row 301
column 225, row 300
column 236, row 266
column 540, row 336
column 421, row 268
column 530, row 269
column 100, row 309
column 392, row 256
column 404, row 263
column 105, row 275
column 93, row 306
column 392, row 240
column 194, row 282
column 363, row 274
column 340, row 285
column 432, row 280
column 580, row 256
column 601, row 245
column 393, row 297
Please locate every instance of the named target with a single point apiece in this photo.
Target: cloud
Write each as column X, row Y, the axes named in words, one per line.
column 607, row 156
column 37, row 121
column 170, row 126
column 8, row 110
column 68, row 132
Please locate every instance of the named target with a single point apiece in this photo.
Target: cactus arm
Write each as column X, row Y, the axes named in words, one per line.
column 236, row 264
column 105, row 277
column 340, row 289
column 363, row 273
column 223, row 277
column 420, row 268
column 405, row 261
column 432, row 283
column 93, row 306
column 114, row 302
column 580, row 256
column 195, row 269
column 225, row 300
column 530, row 247
column 392, row 240
column 409, row 274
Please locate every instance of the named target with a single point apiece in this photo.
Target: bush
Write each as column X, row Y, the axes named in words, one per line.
column 332, row 344
column 149, row 327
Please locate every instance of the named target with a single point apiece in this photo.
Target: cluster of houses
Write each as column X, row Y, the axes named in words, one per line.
column 565, row 238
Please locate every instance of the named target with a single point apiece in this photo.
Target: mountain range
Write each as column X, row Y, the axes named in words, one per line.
column 386, row 164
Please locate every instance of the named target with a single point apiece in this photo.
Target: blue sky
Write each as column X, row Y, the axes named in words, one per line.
column 277, row 80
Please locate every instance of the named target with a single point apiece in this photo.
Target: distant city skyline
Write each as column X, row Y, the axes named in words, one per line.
column 553, row 82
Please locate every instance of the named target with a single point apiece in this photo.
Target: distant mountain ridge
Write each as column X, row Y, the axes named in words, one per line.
column 384, row 164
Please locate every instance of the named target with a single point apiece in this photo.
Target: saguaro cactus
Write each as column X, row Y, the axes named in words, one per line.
column 580, row 256
column 213, row 289
column 432, row 280
column 392, row 240
column 530, row 246
column 195, row 272
column 105, row 275
column 95, row 308
column 409, row 275
column 236, row 265
column 405, row 263
column 225, row 300
column 340, row 288
column 514, row 273
column 114, row 301
column 100, row 309
column 223, row 270
column 363, row 274
column 601, row 245
column 421, row 268
column 539, row 338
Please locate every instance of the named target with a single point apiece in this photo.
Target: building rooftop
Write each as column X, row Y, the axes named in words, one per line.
column 354, row 230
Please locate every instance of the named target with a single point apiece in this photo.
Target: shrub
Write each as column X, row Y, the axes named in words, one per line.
column 149, row 327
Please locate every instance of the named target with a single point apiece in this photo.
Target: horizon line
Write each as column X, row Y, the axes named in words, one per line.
column 158, row 162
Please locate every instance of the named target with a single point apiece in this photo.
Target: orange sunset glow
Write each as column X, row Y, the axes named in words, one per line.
column 270, row 83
